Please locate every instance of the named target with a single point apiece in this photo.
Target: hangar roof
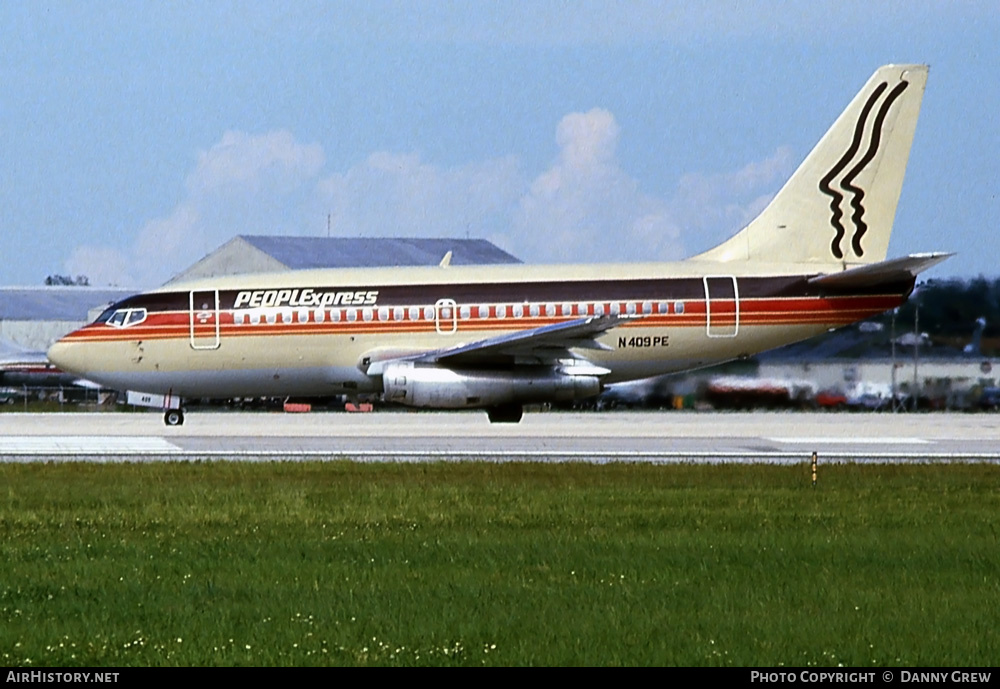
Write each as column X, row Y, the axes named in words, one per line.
column 266, row 254
column 55, row 303
column 370, row 252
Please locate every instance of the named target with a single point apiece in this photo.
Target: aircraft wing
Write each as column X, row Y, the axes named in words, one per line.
column 546, row 344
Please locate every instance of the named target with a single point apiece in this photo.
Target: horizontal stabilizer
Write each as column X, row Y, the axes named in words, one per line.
column 885, row 272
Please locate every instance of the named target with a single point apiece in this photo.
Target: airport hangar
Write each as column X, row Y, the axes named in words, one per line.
column 32, row 318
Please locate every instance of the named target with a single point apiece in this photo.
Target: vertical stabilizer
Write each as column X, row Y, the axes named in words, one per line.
column 838, row 206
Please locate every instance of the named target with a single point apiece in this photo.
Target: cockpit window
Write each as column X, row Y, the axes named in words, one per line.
column 124, row 318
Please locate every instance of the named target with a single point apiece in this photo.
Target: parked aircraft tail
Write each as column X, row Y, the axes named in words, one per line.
column 838, row 206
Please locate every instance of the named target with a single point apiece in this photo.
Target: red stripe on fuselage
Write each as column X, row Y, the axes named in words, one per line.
column 834, row 311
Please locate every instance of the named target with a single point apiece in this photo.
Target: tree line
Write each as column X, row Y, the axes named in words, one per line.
column 949, row 308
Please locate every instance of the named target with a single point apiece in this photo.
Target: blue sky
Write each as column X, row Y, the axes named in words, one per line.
column 136, row 137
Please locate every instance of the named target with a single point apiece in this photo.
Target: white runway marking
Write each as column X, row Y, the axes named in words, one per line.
column 410, row 437
column 852, row 441
column 83, row 444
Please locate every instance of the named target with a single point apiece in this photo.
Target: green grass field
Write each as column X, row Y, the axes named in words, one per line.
column 511, row 564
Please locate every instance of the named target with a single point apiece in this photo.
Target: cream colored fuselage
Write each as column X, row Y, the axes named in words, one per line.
column 317, row 333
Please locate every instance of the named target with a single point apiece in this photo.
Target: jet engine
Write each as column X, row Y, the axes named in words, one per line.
column 444, row 388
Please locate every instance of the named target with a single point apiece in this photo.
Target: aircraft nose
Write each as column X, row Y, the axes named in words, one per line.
column 68, row 356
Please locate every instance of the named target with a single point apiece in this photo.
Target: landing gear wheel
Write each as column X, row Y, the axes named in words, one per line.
column 174, row 417
column 507, row 413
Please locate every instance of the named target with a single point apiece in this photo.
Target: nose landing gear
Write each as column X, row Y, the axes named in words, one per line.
column 174, row 417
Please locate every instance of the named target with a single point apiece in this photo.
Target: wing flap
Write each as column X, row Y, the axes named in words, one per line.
column 555, row 339
column 547, row 343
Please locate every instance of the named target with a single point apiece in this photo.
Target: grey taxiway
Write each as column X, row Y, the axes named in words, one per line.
column 658, row 437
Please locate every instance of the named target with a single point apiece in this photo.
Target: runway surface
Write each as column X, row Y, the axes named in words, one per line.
column 656, row 437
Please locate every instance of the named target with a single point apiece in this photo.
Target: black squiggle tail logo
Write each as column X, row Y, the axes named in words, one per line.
column 846, row 183
column 824, row 184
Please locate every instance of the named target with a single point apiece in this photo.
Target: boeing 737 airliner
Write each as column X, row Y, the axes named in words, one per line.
column 499, row 337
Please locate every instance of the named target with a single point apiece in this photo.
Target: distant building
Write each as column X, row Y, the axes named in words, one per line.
column 35, row 317
column 262, row 254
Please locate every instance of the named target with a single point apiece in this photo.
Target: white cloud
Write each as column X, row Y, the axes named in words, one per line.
column 252, row 162
column 583, row 208
column 586, row 208
column 244, row 184
column 587, row 139
column 711, row 207
column 102, row 265
column 392, row 194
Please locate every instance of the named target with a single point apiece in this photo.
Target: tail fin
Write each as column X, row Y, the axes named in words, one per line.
column 839, row 205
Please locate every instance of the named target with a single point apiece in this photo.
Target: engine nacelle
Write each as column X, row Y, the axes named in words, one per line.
column 445, row 388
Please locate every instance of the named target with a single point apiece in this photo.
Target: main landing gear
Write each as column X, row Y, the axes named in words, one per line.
column 174, row 417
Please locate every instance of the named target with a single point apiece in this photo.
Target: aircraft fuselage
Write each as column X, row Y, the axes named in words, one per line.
column 270, row 336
